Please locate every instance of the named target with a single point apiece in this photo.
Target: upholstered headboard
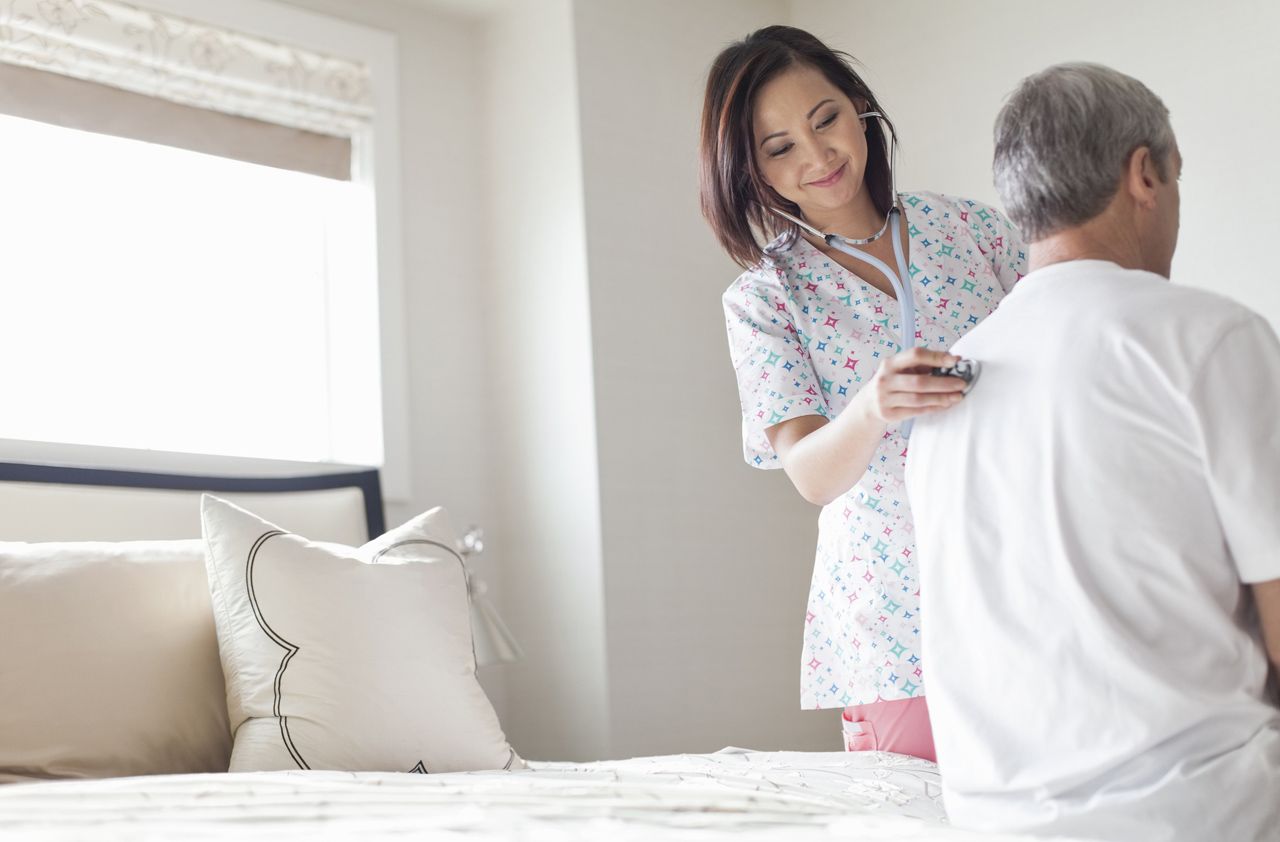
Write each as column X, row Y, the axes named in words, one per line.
column 60, row 503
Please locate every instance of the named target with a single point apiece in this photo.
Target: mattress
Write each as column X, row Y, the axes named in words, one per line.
column 734, row 794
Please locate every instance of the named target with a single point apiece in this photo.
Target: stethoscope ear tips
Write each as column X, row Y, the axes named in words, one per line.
column 966, row 370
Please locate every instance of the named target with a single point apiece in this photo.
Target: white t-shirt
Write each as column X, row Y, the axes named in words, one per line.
column 1085, row 519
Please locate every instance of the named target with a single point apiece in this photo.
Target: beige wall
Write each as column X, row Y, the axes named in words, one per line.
column 942, row 71
column 541, row 403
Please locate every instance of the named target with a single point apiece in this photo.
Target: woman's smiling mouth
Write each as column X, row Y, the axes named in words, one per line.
column 831, row 179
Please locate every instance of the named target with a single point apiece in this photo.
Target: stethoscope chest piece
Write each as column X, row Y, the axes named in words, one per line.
column 966, row 370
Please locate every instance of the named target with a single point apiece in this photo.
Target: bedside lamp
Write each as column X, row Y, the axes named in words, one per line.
column 493, row 641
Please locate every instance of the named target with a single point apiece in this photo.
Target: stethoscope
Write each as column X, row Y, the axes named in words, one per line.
column 967, row 370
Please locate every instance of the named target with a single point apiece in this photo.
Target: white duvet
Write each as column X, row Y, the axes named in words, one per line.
column 734, row 794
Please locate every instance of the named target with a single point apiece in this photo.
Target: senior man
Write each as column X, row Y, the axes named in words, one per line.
column 1099, row 520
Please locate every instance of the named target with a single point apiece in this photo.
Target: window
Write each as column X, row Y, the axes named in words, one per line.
column 191, row 258
column 159, row 298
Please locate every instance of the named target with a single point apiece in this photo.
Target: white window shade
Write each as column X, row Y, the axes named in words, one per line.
column 188, row 81
column 89, row 106
column 184, row 61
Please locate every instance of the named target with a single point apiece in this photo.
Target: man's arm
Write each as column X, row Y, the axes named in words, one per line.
column 1266, row 596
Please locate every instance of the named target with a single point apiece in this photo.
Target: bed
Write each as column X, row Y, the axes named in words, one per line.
column 735, row 793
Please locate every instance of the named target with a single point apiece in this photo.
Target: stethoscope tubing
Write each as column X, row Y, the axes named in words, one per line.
column 900, row 281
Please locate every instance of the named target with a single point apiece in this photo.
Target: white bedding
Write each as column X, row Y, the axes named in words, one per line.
column 734, row 794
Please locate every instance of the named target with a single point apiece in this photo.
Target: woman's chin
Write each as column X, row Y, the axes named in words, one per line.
column 831, row 202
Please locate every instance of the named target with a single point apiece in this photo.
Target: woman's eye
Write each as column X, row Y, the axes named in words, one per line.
column 829, row 120
column 781, row 150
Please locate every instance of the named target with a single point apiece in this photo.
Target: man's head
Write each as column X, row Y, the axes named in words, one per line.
column 1082, row 143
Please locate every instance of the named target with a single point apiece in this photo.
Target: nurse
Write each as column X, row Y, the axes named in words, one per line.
column 816, row 344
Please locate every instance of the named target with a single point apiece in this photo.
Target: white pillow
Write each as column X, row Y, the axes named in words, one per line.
column 348, row 659
column 108, row 661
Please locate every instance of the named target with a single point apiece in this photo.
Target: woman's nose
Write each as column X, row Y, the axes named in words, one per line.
column 816, row 151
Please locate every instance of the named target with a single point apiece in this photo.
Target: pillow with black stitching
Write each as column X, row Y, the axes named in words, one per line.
column 354, row 659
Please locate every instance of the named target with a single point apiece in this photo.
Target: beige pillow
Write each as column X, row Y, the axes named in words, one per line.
column 357, row 659
column 108, row 661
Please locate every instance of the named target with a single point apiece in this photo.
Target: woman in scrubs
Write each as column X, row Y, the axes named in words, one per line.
column 816, row 344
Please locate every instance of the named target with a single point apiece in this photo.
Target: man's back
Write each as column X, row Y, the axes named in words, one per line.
column 1085, row 520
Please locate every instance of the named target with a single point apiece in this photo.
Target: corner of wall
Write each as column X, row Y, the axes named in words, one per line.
column 542, row 418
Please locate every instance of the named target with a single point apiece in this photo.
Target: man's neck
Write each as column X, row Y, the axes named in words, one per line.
column 1097, row 239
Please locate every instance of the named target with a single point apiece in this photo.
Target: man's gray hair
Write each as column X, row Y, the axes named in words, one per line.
column 1063, row 141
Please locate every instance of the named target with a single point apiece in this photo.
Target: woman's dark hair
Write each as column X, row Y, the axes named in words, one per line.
column 734, row 195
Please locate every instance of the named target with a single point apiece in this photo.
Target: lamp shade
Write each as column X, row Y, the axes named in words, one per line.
column 492, row 640
column 494, row 643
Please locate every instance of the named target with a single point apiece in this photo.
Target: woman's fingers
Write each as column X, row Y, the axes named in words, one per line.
column 920, row 358
column 923, row 383
column 915, row 406
column 922, row 400
column 905, row 389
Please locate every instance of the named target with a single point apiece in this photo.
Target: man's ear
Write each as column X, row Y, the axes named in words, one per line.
column 1141, row 177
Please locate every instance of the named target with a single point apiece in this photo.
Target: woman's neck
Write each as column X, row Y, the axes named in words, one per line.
column 858, row 219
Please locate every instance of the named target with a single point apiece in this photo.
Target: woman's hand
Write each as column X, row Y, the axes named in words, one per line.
column 903, row 388
column 824, row 459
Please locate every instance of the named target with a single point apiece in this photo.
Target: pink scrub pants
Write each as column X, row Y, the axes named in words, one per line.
column 900, row 726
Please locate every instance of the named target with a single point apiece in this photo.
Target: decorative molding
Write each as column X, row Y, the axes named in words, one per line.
column 163, row 55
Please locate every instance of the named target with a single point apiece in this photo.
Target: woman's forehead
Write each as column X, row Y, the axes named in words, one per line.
column 792, row 94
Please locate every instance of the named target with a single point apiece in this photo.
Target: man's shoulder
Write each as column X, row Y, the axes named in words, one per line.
column 1143, row 322
column 1103, row 305
column 1154, row 299
column 1107, row 288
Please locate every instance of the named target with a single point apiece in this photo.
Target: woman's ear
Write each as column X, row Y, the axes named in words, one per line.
column 861, row 106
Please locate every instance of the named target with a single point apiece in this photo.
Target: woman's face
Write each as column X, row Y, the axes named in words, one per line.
column 810, row 145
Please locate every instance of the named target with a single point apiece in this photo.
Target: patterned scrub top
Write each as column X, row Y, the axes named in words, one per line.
column 805, row 334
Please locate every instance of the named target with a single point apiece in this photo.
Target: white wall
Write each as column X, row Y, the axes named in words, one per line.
column 943, row 70
column 443, row 210
column 706, row 561
column 541, row 401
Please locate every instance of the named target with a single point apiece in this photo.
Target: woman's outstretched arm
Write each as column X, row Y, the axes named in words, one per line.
column 824, row 459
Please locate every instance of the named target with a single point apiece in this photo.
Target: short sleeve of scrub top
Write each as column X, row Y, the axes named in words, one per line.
column 776, row 378
column 999, row 242
column 1235, row 401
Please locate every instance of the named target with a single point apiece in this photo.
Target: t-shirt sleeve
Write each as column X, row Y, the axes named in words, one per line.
column 776, row 379
column 1236, row 400
column 1000, row 243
